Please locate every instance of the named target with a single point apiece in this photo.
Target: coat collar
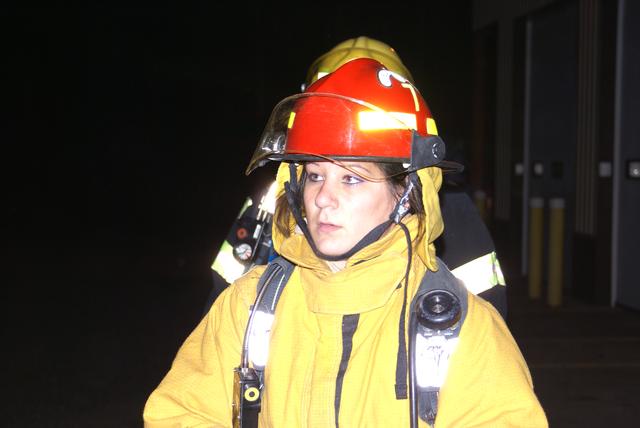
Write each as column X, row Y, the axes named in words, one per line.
column 368, row 280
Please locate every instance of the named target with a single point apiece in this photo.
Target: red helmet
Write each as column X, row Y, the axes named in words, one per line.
column 362, row 111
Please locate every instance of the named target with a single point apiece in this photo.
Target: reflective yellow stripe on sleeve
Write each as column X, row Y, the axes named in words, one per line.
column 481, row 274
column 226, row 265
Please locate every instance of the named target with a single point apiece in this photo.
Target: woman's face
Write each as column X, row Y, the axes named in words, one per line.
column 342, row 207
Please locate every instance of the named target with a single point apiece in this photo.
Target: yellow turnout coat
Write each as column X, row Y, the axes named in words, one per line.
column 334, row 345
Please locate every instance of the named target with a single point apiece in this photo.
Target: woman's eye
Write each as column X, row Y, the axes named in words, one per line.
column 314, row 177
column 352, row 179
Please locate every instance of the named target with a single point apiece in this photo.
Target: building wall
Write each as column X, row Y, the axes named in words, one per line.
column 553, row 107
column 554, row 101
column 628, row 149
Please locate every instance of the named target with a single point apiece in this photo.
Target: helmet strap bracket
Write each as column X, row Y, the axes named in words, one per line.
column 426, row 151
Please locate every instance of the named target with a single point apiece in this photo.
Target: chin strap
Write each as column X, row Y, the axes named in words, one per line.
column 293, row 191
column 401, row 209
column 401, row 359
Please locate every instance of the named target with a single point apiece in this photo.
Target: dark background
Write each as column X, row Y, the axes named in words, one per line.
column 127, row 129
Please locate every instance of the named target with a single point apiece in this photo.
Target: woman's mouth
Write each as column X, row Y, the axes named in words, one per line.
column 327, row 227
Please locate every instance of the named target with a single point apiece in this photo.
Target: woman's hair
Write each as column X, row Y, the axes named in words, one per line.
column 397, row 179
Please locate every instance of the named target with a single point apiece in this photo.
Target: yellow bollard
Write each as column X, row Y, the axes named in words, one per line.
column 536, row 238
column 556, row 245
column 480, row 198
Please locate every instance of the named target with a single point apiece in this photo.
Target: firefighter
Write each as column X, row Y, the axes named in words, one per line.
column 356, row 218
column 465, row 246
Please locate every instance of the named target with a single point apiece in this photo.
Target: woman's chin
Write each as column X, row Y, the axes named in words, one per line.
column 330, row 249
column 332, row 244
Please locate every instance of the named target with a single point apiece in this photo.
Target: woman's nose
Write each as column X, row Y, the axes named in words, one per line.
column 326, row 196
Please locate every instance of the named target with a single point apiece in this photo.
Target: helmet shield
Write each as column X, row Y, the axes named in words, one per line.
column 315, row 125
column 363, row 112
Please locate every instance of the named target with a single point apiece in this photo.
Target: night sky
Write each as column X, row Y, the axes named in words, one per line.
column 127, row 130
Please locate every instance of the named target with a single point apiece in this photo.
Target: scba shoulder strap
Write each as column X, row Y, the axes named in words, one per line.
column 269, row 290
column 437, row 313
column 249, row 380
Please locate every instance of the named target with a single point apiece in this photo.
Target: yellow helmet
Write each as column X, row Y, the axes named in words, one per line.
column 359, row 47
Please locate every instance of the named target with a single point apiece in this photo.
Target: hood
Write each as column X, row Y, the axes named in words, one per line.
column 430, row 179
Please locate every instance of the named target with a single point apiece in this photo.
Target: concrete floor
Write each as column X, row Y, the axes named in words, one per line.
column 89, row 332
column 584, row 359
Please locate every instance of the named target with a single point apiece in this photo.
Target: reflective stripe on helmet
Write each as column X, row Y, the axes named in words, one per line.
column 377, row 120
column 431, row 127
